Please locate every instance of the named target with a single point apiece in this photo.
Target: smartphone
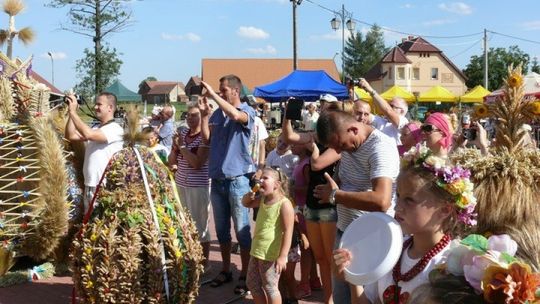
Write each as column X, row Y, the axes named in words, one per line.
column 294, row 109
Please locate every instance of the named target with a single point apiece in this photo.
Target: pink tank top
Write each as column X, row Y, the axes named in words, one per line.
column 299, row 182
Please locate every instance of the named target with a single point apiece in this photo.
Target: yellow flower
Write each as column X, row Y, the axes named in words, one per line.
column 89, row 284
column 178, row 253
column 456, row 187
column 535, row 107
column 481, row 111
column 88, row 250
column 515, row 80
column 93, row 237
column 172, row 230
column 166, row 220
column 88, row 267
column 462, row 201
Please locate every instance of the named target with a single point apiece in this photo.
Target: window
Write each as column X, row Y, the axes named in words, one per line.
column 434, row 73
column 401, row 73
column 389, row 73
column 416, row 73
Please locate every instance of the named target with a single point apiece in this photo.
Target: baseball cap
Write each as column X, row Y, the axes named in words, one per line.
column 328, row 97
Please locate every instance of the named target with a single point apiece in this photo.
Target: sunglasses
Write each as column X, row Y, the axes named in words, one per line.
column 428, row 128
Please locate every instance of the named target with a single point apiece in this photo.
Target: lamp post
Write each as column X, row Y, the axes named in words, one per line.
column 350, row 24
column 52, row 66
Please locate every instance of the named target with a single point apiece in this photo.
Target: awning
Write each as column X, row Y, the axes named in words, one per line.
column 437, row 93
column 362, row 94
column 477, row 94
column 531, row 88
column 397, row 91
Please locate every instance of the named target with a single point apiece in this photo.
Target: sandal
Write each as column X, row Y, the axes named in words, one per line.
column 241, row 287
column 222, row 278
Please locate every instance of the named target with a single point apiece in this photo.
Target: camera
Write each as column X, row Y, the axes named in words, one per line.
column 354, row 82
column 469, row 134
column 80, row 99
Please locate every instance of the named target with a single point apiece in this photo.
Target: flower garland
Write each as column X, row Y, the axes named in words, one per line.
column 489, row 266
column 453, row 179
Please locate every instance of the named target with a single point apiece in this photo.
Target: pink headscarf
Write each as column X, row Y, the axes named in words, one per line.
column 440, row 121
column 415, row 131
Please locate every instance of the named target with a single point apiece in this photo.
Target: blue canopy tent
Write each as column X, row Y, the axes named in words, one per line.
column 307, row 85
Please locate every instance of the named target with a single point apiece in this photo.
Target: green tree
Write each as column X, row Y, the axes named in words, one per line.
column 85, row 68
column 362, row 53
column 96, row 19
column 534, row 65
column 149, row 78
column 498, row 61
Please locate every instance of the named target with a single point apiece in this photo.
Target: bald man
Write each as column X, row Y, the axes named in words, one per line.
column 362, row 111
column 394, row 113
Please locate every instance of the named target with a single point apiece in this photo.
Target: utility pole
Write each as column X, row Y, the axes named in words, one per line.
column 485, row 61
column 295, row 48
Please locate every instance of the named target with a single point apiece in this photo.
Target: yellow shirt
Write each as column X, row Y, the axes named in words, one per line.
column 268, row 235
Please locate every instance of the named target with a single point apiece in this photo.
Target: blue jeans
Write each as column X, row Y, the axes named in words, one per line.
column 342, row 289
column 226, row 196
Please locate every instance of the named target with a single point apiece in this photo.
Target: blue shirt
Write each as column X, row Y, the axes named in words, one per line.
column 166, row 133
column 229, row 144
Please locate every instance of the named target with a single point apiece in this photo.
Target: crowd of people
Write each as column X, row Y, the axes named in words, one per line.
column 343, row 162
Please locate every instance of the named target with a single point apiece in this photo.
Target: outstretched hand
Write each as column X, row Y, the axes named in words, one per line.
column 204, row 107
column 209, row 90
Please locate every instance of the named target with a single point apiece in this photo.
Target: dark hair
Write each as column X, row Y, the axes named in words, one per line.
column 445, row 289
column 110, row 97
column 233, row 81
column 330, row 122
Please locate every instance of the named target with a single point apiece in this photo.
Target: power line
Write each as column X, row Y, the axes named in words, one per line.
column 514, row 37
column 465, row 50
column 391, row 30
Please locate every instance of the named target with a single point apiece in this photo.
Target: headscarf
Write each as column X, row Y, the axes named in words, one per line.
column 415, row 131
column 440, row 121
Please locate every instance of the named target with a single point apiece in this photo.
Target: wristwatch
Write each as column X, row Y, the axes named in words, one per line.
column 332, row 199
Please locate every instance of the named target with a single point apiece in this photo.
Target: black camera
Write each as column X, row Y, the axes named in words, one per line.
column 354, row 82
column 80, row 99
column 294, row 109
column 469, row 134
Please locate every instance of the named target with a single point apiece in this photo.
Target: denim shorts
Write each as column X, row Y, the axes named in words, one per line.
column 320, row 215
column 226, row 196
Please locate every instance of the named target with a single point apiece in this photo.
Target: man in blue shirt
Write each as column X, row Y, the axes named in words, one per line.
column 166, row 131
column 228, row 167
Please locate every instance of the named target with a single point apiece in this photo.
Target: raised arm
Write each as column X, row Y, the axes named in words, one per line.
column 83, row 131
column 382, row 104
column 231, row 111
column 321, row 161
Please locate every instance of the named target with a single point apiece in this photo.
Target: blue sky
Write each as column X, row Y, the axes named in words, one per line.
column 170, row 37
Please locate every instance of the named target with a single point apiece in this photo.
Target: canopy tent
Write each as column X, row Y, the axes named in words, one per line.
column 477, row 94
column 437, row 93
column 531, row 84
column 397, row 91
column 122, row 93
column 362, row 94
column 307, row 85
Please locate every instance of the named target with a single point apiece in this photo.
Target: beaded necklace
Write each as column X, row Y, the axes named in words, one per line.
column 392, row 294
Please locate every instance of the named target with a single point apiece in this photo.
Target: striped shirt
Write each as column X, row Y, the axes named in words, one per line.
column 187, row 176
column 376, row 157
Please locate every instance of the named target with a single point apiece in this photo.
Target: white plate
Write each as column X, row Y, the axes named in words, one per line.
column 375, row 241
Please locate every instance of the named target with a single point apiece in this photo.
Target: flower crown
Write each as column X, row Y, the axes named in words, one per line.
column 490, row 267
column 453, row 179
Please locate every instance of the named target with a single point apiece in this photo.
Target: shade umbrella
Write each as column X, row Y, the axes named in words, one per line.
column 397, row 91
column 437, row 93
column 477, row 94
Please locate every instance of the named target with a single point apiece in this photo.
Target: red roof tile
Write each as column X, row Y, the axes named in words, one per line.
column 418, row 44
column 395, row 55
column 256, row 72
column 159, row 89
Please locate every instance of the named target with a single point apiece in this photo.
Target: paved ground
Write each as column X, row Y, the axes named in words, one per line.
column 57, row 290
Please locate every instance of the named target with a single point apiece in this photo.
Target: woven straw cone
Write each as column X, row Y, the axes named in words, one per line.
column 117, row 257
column 506, row 181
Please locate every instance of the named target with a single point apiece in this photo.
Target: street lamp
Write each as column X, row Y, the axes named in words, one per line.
column 52, row 66
column 350, row 24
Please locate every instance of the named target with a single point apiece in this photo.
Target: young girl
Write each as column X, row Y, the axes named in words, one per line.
column 432, row 200
column 272, row 236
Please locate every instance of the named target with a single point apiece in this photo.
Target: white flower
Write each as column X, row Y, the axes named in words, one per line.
column 455, row 259
column 502, row 243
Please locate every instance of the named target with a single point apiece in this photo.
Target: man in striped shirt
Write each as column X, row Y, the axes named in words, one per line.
column 367, row 173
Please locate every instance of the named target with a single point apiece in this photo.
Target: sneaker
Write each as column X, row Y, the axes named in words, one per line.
column 303, row 291
column 315, row 284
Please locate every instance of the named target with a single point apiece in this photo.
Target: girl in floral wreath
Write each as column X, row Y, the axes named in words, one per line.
column 433, row 201
column 272, row 236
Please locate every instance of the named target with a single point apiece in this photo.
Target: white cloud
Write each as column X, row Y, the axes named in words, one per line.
column 436, row 22
column 251, row 32
column 175, row 37
column 531, row 25
column 55, row 55
column 459, row 8
column 407, row 6
column 260, row 51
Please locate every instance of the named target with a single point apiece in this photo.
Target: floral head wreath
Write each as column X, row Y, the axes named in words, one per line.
column 490, row 268
column 453, row 179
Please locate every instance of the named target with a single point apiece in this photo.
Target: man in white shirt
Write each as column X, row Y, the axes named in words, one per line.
column 394, row 113
column 102, row 141
column 310, row 117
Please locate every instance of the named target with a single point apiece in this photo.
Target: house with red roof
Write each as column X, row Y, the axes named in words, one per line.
column 416, row 65
column 158, row 92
